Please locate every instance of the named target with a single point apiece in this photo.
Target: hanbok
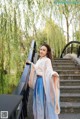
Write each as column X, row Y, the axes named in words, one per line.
column 46, row 93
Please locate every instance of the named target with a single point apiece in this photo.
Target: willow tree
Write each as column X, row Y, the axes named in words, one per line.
column 77, row 35
column 69, row 12
column 12, row 45
column 53, row 35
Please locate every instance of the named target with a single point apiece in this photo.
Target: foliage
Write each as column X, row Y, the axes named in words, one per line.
column 24, row 20
column 52, row 35
column 13, row 50
column 77, row 35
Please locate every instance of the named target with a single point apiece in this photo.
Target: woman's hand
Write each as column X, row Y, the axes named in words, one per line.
column 56, row 87
column 55, row 75
column 57, row 109
column 28, row 62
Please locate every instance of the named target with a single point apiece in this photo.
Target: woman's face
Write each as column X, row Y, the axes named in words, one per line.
column 43, row 51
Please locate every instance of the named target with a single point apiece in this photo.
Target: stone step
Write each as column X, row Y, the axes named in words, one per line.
column 69, row 116
column 70, row 89
column 64, row 60
column 66, row 68
column 63, row 70
column 70, row 76
column 64, row 65
column 70, row 107
column 68, row 71
column 69, row 82
column 70, row 97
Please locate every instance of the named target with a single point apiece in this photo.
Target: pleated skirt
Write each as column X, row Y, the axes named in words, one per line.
column 42, row 109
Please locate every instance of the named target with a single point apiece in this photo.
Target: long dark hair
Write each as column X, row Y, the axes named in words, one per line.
column 49, row 54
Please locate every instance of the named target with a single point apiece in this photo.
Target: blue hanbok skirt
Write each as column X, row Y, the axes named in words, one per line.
column 42, row 109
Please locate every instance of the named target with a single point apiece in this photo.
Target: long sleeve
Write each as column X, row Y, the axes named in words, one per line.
column 49, row 68
column 57, row 94
column 54, row 84
column 32, row 77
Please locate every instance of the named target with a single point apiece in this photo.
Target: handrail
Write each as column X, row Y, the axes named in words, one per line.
column 23, row 88
column 24, row 77
column 72, row 42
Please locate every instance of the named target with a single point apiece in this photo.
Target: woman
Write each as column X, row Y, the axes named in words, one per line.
column 45, row 82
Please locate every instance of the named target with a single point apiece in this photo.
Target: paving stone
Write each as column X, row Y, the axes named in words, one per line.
column 69, row 116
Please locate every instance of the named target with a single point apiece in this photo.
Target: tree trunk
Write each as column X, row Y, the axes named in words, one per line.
column 67, row 23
